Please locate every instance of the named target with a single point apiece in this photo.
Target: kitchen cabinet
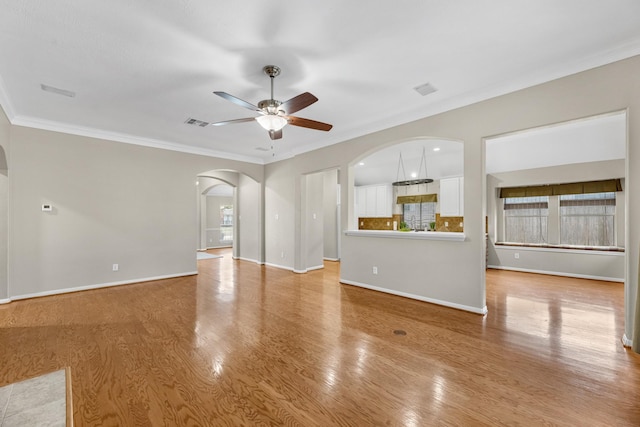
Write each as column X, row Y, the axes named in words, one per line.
column 374, row 201
column 452, row 197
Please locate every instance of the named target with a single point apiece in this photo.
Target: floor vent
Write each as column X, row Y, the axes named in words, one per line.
column 196, row 122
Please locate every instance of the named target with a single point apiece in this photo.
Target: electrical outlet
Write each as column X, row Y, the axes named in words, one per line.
column 446, row 223
column 375, row 270
column 115, row 267
column 516, row 255
column 462, row 224
column 282, row 254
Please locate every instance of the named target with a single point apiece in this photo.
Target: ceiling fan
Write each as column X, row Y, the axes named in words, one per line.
column 274, row 114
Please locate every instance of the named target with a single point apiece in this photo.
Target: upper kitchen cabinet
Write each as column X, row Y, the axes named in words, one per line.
column 452, row 196
column 374, row 201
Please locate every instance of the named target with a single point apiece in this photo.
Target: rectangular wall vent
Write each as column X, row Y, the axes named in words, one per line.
column 196, row 122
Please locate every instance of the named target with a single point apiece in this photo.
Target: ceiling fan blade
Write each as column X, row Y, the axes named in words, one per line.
column 238, row 101
column 230, row 122
column 297, row 103
column 275, row 134
column 306, row 123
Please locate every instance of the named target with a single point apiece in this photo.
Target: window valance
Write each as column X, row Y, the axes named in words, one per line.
column 418, row 198
column 608, row 185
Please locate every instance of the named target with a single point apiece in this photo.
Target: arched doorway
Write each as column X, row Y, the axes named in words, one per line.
column 240, row 198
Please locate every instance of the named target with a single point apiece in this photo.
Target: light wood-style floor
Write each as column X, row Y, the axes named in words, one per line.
column 242, row 344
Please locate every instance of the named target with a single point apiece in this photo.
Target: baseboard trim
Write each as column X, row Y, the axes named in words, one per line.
column 282, row 267
column 626, row 341
column 331, row 259
column 248, row 260
column 101, row 285
column 557, row 273
column 5, row 301
column 449, row 304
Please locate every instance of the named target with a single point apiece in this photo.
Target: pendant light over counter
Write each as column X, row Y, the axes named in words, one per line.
column 416, row 181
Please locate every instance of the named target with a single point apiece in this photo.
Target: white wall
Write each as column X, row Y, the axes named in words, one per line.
column 112, row 203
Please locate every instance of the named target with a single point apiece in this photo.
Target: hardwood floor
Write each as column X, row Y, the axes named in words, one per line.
column 242, row 344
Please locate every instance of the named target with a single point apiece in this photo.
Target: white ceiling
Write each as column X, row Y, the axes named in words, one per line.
column 581, row 141
column 140, row 69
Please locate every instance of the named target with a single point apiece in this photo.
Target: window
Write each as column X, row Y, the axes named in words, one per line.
column 526, row 219
column 226, row 224
column 419, row 215
column 587, row 219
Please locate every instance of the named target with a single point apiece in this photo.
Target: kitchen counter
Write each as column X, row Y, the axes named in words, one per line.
column 419, row 235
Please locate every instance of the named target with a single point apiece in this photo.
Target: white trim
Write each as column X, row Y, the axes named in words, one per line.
column 308, row 269
column 469, row 308
column 626, row 341
column 557, row 273
column 331, row 259
column 418, row 235
column 36, row 123
column 558, row 250
column 282, row 267
column 218, row 247
column 249, row 260
column 5, row 301
column 102, row 285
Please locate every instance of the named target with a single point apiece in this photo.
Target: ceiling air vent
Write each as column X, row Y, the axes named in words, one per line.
column 262, row 149
column 425, row 89
column 57, row 90
column 196, row 122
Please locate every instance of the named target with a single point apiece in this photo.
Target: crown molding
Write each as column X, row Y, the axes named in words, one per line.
column 32, row 122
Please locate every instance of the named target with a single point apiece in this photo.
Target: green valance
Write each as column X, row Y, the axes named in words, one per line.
column 418, row 198
column 609, row 185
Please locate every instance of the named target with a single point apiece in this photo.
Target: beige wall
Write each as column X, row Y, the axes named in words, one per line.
column 5, row 129
column 249, row 220
column 112, row 203
column 330, row 215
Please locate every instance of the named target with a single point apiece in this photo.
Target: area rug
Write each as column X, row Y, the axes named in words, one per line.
column 38, row 401
column 204, row 255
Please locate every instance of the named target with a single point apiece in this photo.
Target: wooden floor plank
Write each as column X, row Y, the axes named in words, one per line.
column 242, row 344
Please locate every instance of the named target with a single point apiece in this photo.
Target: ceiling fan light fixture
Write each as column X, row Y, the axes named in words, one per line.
column 272, row 122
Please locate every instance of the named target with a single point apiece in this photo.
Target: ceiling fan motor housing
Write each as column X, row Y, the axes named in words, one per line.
column 269, row 105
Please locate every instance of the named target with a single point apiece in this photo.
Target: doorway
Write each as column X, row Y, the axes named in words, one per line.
column 555, row 200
